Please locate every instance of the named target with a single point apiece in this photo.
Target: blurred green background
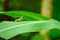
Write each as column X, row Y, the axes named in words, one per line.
column 18, row 5
column 56, row 9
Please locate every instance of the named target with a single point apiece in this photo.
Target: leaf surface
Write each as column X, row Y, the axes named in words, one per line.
column 11, row 29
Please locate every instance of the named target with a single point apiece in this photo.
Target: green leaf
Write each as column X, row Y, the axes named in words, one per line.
column 11, row 29
column 54, row 33
column 26, row 15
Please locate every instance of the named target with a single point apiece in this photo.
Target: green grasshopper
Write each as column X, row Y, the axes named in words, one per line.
column 19, row 19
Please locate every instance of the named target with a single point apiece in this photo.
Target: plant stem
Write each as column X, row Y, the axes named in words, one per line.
column 46, row 11
column 44, row 33
column 47, row 8
column 6, row 5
